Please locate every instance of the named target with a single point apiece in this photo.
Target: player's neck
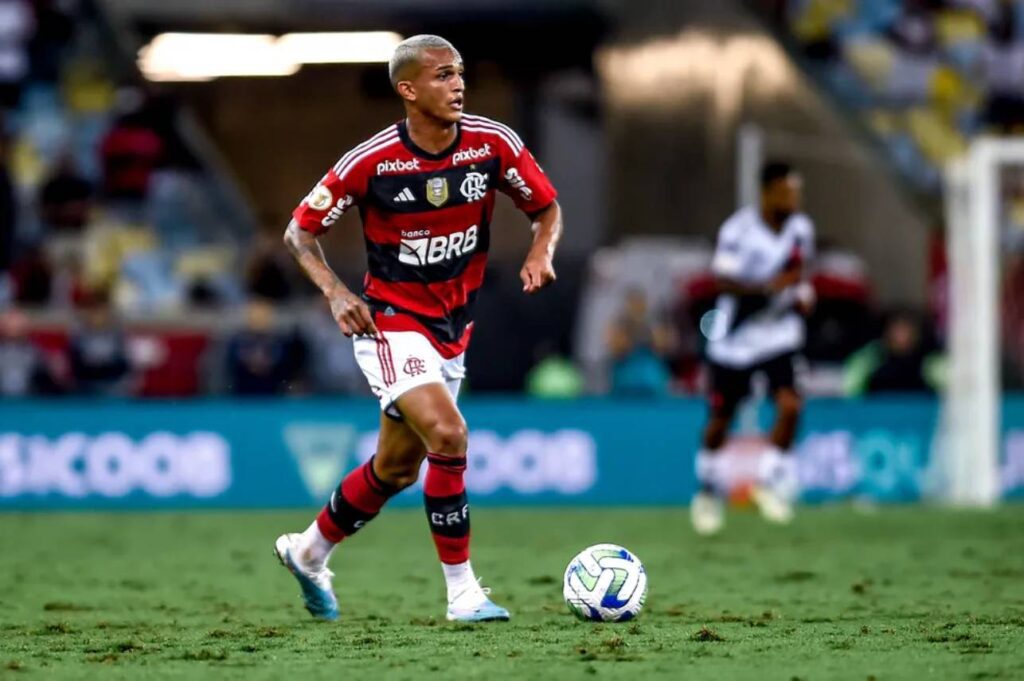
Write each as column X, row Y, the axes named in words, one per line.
column 428, row 134
column 772, row 220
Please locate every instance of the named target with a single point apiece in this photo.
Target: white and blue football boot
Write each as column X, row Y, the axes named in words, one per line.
column 473, row 605
column 317, row 592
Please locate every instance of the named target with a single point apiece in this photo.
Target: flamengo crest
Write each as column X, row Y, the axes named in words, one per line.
column 474, row 187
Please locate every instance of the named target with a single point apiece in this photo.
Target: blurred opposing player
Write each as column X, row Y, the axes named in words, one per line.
column 760, row 264
column 425, row 189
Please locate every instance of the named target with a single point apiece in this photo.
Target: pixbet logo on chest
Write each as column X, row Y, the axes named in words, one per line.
column 471, row 154
column 397, row 166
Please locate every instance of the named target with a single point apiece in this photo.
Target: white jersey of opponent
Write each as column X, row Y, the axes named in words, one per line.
column 750, row 252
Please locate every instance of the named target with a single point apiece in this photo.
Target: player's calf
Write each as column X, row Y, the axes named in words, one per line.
column 357, row 500
column 447, row 507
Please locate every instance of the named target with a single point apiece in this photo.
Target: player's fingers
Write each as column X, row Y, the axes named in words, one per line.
column 524, row 276
column 365, row 317
column 343, row 325
column 535, row 282
column 371, row 329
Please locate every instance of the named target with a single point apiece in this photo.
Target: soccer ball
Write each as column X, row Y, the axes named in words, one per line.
column 605, row 583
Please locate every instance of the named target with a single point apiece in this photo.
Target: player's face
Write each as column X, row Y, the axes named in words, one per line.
column 784, row 196
column 439, row 86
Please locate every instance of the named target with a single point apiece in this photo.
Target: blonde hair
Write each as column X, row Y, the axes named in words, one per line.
column 409, row 51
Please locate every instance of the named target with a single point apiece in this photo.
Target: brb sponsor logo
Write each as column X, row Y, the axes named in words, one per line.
column 526, row 462
column 114, row 465
column 418, row 248
column 398, row 166
column 471, row 154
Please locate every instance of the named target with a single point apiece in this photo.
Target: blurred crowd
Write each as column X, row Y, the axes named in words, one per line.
column 924, row 75
column 98, row 191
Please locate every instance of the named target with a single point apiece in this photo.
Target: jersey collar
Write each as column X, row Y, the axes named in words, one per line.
column 403, row 134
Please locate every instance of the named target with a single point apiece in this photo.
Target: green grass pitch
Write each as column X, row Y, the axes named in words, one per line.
column 900, row 593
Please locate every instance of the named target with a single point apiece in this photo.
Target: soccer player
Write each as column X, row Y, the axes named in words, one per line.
column 757, row 327
column 425, row 190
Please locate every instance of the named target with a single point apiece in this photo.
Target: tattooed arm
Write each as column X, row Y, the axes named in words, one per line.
column 349, row 310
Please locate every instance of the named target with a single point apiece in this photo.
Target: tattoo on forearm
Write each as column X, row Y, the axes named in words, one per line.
column 305, row 248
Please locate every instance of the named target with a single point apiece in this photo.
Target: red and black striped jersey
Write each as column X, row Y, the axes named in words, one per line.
column 426, row 220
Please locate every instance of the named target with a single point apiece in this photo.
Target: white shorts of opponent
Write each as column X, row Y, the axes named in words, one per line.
column 404, row 360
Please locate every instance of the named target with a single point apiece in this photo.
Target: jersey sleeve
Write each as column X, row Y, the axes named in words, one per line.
column 525, row 183
column 330, row 198
column 728, row 260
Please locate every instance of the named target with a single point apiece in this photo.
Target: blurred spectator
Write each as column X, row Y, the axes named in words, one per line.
column 32, row 277
column 267, row 274
column 65, row 199
column 554, row 376
column 8, row 206
column 638, row 343
column 98, row 352
column 913, row 29
column 332, row 367
column 17, row 26
column 129, row 153
column 1003, row 65
column 260, row 359
column 899, row 362
column 23, row 367
column 55, row 27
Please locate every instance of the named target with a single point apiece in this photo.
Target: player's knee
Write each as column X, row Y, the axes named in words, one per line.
column 448, row 436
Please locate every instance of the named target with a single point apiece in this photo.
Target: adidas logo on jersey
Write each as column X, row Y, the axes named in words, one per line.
column 397, row 166
column 471, row 154
column 404, row 196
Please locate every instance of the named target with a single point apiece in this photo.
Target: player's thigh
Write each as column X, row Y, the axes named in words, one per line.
column 400, row 450
column 430, row 411
column 728, row 388
column 396, row 363
column 782, row 380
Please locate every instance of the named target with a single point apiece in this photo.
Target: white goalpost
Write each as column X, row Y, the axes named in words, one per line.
column 969, row 454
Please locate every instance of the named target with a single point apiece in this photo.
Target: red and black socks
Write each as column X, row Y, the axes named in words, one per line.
column 447, row 506
column 357, row 501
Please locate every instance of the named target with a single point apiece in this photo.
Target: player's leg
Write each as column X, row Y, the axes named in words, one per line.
column 365, row 490
column 355, row 502
column 778, row 484
column 728, row 388
column 430, row 410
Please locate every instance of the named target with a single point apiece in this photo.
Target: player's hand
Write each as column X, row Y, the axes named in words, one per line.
column 352, row 314
column 790, row 277
column 806, row 298
column 537, row 272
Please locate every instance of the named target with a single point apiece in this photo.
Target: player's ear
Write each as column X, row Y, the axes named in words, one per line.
column 406, row 90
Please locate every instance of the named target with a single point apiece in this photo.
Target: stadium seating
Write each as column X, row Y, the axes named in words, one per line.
column 923, row 76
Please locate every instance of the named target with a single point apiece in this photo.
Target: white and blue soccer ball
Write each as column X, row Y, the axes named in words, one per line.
column 605, row 583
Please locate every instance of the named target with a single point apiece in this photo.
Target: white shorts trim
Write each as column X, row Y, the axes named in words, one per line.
column 404, row 360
